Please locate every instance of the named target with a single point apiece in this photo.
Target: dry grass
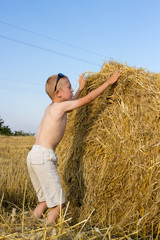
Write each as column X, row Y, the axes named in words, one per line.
column 17, row 199
column 109, row 163
column 110, row 153
column 13, row 172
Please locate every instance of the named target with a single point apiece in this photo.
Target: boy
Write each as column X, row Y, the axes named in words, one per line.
column 41, row 160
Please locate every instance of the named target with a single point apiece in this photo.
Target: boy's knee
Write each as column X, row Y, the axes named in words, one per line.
column 58, row 207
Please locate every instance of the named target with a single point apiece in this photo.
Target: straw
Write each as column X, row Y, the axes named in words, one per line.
column 110, row 153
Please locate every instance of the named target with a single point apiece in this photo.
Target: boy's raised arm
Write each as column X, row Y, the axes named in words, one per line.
column 82, row 82
column 73, row 104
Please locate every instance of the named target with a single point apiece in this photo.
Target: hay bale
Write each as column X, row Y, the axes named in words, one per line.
column 109, row 156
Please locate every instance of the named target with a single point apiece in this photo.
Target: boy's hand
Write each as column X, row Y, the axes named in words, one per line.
column 114, row 77
column 82, row 81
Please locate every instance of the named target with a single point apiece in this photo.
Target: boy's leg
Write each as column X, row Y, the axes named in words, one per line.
column 53, row 214
column 40, row 209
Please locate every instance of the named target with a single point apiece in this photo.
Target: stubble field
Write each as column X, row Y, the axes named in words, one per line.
column 108, row 162
column 18, row 199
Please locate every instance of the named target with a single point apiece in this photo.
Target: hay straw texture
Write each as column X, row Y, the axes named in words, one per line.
column 110, row 154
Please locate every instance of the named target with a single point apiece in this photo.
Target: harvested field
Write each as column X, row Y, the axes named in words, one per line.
column 109, row 162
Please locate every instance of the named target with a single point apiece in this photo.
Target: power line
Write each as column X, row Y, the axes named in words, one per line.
column 11, row 88
column 19, row 81
column 47, row 50
column 52, row 39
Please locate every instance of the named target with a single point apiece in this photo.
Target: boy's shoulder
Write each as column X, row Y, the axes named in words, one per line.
column 57, row 106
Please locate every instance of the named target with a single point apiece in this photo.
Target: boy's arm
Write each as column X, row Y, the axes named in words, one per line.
column 82, row 82
column 73, row 104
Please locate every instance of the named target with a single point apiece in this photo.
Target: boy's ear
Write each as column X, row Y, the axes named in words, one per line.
column 57, row 93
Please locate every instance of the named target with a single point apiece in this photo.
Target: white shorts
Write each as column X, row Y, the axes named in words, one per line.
column 41, row 163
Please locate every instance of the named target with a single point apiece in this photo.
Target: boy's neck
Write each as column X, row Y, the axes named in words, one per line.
column 57, row 100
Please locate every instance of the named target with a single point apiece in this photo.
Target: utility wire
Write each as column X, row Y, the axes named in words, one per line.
column 52, row 39
column 19, row 81
column 48, row 50
column 11, row 88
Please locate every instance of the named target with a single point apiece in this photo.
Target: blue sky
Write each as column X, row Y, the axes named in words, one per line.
column 40, row 38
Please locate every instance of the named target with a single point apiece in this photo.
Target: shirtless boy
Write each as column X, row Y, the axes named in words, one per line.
column 41, row 160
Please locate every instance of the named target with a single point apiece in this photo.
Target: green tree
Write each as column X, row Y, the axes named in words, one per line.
column 4, row 130
column 21, row 133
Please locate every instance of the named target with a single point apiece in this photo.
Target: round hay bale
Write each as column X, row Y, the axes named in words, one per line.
column 109, row 156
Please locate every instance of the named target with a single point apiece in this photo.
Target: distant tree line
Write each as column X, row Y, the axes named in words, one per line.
column 5, row 130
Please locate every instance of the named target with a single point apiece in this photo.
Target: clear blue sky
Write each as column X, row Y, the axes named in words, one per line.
column 78, row 36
